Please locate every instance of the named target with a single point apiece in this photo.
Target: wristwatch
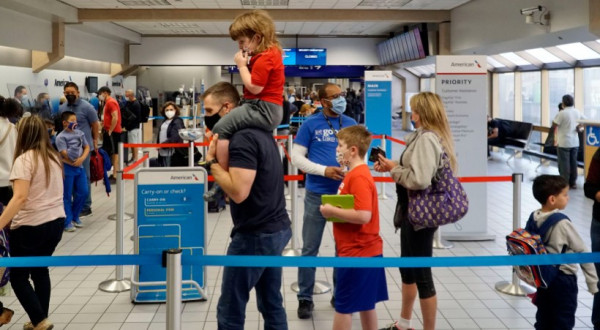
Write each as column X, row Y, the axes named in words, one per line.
column 211, row 162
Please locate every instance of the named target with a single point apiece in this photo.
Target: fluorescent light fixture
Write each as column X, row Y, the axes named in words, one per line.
column 265, row 2
column 579, row 51
column 491, row 61
column 144, row 3
column 384, row 3
column 543, row 55
column 516, row 59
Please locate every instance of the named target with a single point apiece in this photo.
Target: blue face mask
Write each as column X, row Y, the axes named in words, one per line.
column 414, row 123
column 338, row 105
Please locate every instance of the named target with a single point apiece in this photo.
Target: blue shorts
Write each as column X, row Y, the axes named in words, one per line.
column 359, row 289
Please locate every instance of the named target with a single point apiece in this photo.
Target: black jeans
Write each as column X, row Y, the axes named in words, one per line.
column 557, row 304
column 34, row 241
column 417, row 243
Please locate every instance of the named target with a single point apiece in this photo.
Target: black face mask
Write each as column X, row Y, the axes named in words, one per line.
column 71, row 98
column 211, row 121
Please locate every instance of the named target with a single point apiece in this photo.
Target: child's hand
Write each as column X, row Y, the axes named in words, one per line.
column 77, row 162
column 327, row 210
column 241, row 59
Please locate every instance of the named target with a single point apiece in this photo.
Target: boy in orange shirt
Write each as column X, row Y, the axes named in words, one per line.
column 357, row 289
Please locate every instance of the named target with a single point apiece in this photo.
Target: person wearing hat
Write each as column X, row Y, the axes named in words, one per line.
column 111, row 127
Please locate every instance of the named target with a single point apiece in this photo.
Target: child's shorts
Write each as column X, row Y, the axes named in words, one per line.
column 359, row 289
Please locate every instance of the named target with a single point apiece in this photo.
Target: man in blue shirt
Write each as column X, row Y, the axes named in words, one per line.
column 87, row 122
column 314, row 153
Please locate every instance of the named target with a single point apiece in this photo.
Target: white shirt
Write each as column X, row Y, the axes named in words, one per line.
column 162, row 137
column 566, row 120
column 7, row 150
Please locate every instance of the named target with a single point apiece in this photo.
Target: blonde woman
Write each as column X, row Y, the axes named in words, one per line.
column 36, row 216
column 417, row 167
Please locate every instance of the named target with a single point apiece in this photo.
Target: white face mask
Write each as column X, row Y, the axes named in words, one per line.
column 101, row 97
column 340, row 158
column 170, row 114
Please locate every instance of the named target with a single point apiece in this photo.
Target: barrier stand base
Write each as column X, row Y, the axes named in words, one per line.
column 442, row 244
column 383, row 196
column 115, row 285
column 513, row 290
column 291, row 252
column 127, row 216
column 320, row 287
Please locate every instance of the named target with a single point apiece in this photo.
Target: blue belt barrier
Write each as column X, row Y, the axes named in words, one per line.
column 277, row 261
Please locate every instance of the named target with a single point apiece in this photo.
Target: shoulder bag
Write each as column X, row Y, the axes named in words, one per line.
column 443, row 202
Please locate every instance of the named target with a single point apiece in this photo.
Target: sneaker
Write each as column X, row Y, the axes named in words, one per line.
column 394, row 326
column 6, row 316
column 78, row 223
column 70, row 228
column 573, row 186
column 28, row 326
column 305, row 308
column 44, row 325
column 112, row 179
column 85, row 213
column 213, row 193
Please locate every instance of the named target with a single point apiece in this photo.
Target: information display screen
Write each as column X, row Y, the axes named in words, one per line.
column 407, row 46
column 289, row 56
column 311, row 56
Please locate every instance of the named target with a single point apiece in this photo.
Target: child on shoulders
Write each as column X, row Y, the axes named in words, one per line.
column 558, row 302
column 357, row 289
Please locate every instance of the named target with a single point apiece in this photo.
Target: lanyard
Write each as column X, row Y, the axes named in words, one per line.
column 335, row 131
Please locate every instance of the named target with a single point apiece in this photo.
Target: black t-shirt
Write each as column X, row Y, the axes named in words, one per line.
column 136, row 109
column 264, row 209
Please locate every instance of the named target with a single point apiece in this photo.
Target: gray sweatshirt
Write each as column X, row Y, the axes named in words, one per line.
column 564, row 234
column 420, row 161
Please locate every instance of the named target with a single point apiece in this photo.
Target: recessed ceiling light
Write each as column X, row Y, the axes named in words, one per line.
column 265, row 2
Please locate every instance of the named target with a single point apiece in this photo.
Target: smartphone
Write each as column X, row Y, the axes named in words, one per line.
column 374, row 154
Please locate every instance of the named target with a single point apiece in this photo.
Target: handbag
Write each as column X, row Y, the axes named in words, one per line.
column 401, row 213
column 444, row 201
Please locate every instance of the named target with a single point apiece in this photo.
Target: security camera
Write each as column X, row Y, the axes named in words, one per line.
column 531, row 11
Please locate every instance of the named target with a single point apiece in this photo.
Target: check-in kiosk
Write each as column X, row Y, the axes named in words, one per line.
column 169, row 213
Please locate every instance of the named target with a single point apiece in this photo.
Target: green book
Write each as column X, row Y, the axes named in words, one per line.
column 341, row 201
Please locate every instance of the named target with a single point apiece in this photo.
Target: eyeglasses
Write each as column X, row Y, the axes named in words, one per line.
column 169, row 109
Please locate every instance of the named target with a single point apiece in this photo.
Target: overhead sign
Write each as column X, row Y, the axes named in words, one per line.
column 462, row 84
column 311, row 56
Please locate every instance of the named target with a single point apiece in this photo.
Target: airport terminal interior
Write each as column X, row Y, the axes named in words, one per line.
column 529, row 52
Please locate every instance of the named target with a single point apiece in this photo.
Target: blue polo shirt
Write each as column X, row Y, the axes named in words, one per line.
column 86, row 116
column 319, row 139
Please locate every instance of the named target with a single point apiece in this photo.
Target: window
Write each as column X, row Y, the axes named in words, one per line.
column 531, row 89
column 591, row 93
column 561, row 82
column 506, row 95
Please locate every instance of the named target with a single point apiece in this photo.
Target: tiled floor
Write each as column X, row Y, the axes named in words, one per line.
column 466, row 296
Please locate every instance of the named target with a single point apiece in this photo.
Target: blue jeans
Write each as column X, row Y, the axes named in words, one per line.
column 239, row 281
column 87, row 206
column 312, row 234
column 75, row 192
column 557, row 304
column 595, row 235
column 567, row 164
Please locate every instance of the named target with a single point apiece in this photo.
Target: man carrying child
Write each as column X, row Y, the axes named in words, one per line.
column 73, row 148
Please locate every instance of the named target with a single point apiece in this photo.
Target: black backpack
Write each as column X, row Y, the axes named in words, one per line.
column 127, row 116
column 145, row 112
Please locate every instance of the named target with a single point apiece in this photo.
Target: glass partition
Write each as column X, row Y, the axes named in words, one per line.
column 591, row 93
column 561, row 82
column 531, row 89
column 506, row 95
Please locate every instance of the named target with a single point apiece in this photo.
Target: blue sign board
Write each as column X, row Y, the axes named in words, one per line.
column 592, row 136
column 289, row 56
column 311, row 56
column 320, row 71
column 169, row 213
column 378, row 105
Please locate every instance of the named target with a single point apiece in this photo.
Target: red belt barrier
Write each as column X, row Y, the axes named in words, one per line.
column 395, row 140
column 287, row 155
column 377, row 136
column 296, row 177
column 155, row 145
column 466, row 179
column 137, row 162
column 281, row 137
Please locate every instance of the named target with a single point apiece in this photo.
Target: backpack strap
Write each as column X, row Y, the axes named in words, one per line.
column 550, row 222
column 10, row 127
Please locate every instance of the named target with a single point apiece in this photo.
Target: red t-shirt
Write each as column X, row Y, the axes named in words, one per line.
column 352, row 240
column 110, row 107
column 267, row 70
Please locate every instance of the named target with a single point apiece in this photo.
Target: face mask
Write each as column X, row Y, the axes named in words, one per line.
column 414, row 123
column 211, row 121
column 50, row 131
column 71, row 98
column 72, row 125
column 170, row 114
column 101, row 97
column 25, row 100
column 339, row 156
column 338, row 105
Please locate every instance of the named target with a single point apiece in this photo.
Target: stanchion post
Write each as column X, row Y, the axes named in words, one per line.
column 515, row 288
column 294, row 250
column 121, row 156
column 147, row 160
column 173, row 289
column 191, row 154
column 120, row 195
column 119, row 284
column 382, row 195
